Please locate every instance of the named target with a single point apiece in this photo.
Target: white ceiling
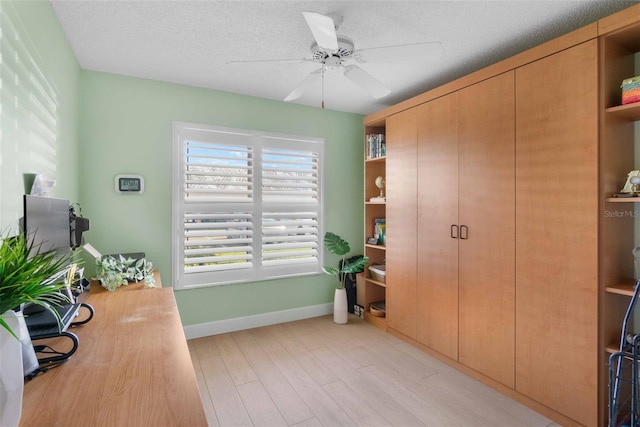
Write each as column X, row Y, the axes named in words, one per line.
column 190, row 42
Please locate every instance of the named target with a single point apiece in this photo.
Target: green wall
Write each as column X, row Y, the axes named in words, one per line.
column 39, row 29
column 126, row 127
column 109, row 124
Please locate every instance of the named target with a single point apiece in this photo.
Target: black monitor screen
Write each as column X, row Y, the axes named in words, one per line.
column 46, row 223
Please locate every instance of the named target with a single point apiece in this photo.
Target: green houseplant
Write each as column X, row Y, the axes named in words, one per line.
column 336, row 245
column 25, row 271
column 25, row 277
column 114, row 272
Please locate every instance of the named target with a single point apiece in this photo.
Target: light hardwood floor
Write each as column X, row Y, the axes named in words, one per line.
column 316, row 373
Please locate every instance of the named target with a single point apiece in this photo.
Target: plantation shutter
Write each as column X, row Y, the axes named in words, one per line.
column 247, row 205
column 291, row 207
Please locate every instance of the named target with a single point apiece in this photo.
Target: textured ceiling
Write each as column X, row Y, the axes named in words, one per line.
column 190, row 42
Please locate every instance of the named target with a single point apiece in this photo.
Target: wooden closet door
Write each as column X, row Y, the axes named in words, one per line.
column 401, row 239
column 487, row 209
column 557, row 231
column 437, row 293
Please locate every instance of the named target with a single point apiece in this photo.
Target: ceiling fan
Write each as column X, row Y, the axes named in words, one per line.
column 333, row 51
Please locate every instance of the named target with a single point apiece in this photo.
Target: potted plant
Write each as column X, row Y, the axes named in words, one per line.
column 25, row 274
column 25, row 271
column 338, row 246
column 114, row 272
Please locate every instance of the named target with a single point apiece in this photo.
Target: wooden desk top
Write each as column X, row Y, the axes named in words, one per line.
column 132, row 367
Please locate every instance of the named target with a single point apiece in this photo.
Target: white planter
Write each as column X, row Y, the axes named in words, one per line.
column 12, row 369
column 29, row 358
column 340, row 308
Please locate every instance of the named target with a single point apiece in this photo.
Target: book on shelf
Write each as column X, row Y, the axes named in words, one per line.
column 375, row 146
column 379, row 229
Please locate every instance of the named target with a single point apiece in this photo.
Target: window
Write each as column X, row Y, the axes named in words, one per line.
column 247, row 205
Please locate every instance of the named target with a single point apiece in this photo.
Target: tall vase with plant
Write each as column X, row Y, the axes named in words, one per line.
column 25, row 273
column 336, row 245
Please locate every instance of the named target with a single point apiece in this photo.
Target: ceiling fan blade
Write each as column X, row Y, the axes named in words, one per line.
column 265, row 61
column 323, row 29
column 401, row 53
column 366, row 82
column 309, row 81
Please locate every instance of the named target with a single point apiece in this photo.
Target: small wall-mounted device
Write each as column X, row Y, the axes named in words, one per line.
column 131, row 184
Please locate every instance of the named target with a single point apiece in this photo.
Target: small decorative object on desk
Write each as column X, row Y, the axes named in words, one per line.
column 631, row 90
column 114, row 272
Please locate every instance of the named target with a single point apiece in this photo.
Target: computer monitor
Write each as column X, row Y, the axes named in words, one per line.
column 46, row 224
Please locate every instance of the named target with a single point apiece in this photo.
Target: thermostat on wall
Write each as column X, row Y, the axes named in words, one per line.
column 132, row 184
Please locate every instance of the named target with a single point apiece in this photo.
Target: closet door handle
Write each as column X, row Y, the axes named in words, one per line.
column 464, row 232
column 454, row 231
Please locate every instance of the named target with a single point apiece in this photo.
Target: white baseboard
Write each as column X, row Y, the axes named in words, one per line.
column 256, row 320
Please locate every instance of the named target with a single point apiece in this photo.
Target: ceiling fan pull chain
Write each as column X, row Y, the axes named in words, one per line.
column 323, row 67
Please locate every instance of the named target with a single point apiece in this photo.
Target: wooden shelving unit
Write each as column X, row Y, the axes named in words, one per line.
column 373, row 167
column 612, row 348
column 628, row 112
column 621, row 289
column 376, row 282
column 618, row 50
column 623, row 199
column 377, row 247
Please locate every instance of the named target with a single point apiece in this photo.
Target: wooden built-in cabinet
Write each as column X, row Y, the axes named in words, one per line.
column 451, row 269
column 557, row 231
column 402, row 221
column 486, row 210
column 507, row 255
column 461, row 284
column 437, row 288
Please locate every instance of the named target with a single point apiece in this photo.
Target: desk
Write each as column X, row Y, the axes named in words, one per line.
column 132, row 367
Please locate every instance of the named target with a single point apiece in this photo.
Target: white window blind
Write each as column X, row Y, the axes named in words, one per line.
column 247, row 205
